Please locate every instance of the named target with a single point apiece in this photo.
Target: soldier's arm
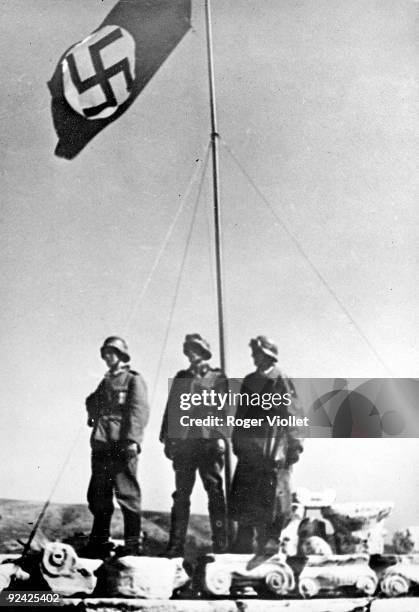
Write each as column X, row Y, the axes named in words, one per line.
column 137, row 411
column 172, row 404
column 164, row 425
column 169, row 444
column 164, row 430
column 92, row 407
column 295, row 439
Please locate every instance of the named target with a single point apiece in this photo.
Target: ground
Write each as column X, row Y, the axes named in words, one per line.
column 71, row 523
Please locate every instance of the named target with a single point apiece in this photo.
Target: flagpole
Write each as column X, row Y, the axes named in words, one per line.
column 217, row 229
column 216, row 186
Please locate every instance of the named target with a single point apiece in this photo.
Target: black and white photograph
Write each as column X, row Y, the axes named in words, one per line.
column 209, row 270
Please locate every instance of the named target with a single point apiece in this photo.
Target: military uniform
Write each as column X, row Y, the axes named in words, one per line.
column 118, row 413
column 195, row 449
column 261, row 494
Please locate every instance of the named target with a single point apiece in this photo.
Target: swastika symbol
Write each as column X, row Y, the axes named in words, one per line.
column 102, row 74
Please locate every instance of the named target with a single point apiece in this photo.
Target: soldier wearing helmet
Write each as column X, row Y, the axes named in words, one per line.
column 195, row 449
column 261, row 495
column 118, row 413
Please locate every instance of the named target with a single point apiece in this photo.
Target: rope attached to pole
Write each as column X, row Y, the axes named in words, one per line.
column 179, row 278
column 27, row 546
column 307, row 258
column 162, row 249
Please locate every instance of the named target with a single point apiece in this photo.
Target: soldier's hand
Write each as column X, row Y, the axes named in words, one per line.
column 272, row 466
column 170, row 449
column 293, row 456
column 130, row 450
column 219, row 446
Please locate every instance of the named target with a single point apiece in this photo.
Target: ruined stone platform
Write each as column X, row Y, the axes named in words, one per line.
column 359, row 604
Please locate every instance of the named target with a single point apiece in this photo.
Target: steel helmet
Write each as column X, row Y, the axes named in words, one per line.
column 197, row 341
column 117, row 344
column 265, row 345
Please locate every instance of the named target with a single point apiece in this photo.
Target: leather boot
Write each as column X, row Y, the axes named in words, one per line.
column 96, row 550
column 101, row 528
column 178, row 529
column 133, row 537
column 132, row 547
column 98, row 546
column 267, row 541
column 219, row 533
column 243, row 542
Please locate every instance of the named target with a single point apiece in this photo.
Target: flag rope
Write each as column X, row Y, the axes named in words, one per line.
column 305, row 256
column 180, row 274
column 53, row 489
column 162, row 249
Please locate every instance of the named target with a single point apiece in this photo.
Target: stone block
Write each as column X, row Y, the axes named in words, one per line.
column 66, row 573
column 141, row 577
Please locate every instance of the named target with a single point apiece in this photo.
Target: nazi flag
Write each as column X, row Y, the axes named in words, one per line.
column 98, row 78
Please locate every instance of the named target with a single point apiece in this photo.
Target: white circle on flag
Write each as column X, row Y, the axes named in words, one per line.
column 98, row 72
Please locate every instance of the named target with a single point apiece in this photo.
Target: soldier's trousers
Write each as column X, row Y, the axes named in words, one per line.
column 113, row 474
column 205, row 457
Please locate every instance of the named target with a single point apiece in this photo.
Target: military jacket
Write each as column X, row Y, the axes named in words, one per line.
column 188, row 382
column 281, row 445
column 118, row 410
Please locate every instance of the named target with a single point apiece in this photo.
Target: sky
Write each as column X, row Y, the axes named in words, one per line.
column 318, row 102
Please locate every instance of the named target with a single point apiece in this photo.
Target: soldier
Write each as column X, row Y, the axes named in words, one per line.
column 195, row 448
column 261, row 496
column 118, row 413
